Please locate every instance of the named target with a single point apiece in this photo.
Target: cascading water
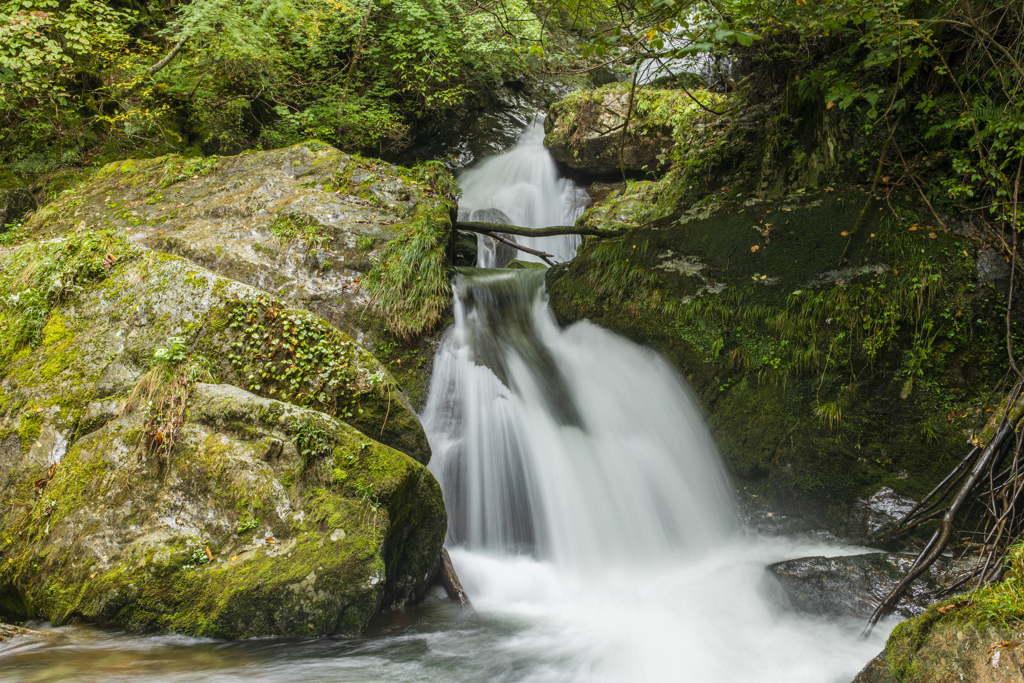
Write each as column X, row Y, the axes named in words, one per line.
column 574, row 443
column 591, row 523
column 522, row 187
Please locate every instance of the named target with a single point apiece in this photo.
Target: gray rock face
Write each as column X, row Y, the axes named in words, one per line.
column 304, row 224
column 992, row 267
column 885, row 507
column 855, row 585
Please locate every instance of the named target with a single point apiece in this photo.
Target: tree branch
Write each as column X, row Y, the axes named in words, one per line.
column 168, row 57
column 487, row 228
column 539, row 254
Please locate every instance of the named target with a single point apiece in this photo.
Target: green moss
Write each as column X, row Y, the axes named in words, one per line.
column 822, row 383
column 29, row 427
column 409, row 283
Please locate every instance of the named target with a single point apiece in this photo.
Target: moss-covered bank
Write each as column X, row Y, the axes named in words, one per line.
column 834, row 354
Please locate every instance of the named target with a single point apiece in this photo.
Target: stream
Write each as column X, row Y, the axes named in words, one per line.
column 591, row 520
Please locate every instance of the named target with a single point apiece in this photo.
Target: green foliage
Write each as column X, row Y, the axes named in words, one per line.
column 175, row 352
column 293, row 356
column 408, row 285
column 1003, row 602
column 40, row 276
column 85, row 81
column 288, row 227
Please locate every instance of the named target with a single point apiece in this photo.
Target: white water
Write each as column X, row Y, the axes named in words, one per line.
column 522, row 187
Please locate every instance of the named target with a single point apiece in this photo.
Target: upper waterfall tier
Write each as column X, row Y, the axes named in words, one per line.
column 522, row 187
column 576, row 444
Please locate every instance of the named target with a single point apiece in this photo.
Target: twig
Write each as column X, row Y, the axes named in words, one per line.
column 539, row 254
column 555, row 230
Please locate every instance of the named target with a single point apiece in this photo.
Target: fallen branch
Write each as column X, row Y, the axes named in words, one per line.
column 539, row 254
column 552, row 231
column 450, row 580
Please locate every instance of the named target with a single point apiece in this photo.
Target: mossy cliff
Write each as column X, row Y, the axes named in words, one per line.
column 841, row 340
column 144, row 485
column 363, row 244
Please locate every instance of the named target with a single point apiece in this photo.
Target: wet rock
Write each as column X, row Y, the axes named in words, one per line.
column 992, row 267
column 493, row 125
column 8, row 631
column 854, row 585
column 884, row 508
column 762, row 517
column 465, row 249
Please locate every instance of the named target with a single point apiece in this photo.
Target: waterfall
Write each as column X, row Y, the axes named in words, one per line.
column 590, row 516
column 576, row 445
column 522, row 187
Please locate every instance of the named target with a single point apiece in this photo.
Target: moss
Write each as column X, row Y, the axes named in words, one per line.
column 822, row 383
column 363, row 542
column 29, row 427
column 409, row 284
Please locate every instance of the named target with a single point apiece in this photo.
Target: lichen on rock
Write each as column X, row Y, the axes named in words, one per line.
column 307, row 224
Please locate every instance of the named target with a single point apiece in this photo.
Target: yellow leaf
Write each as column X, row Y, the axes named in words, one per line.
column 753, row 249
column 844, row 233
column 830, row 104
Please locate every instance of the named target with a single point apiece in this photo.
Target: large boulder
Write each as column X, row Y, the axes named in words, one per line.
column 854, row 585
column 307, row 224
column 142, row 484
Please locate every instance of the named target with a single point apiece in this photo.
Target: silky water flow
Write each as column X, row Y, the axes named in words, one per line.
column 590, row 518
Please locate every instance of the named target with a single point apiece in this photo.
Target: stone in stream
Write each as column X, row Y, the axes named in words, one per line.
column 854, row 585
column 9, row 631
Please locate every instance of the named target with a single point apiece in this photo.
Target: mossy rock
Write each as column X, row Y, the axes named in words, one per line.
column 950, row 642
column 237, row 534
column 584, row 130
column 307, row 224
column 99, row 524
